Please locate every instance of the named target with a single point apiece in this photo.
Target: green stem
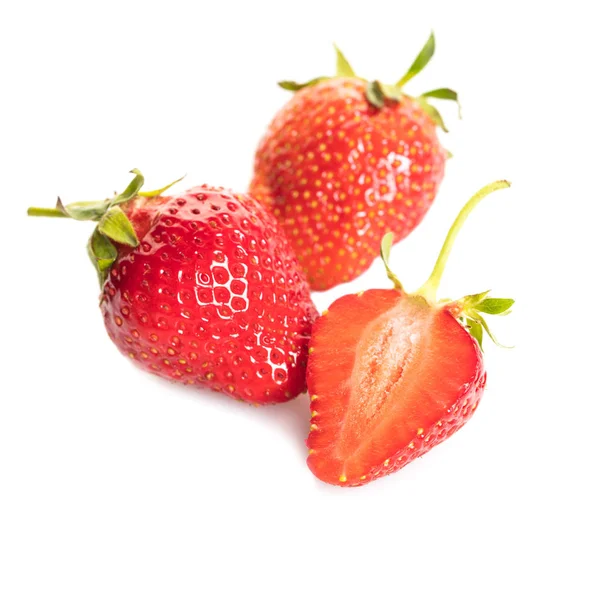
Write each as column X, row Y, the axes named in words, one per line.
column 429, row 289
column 45, row 212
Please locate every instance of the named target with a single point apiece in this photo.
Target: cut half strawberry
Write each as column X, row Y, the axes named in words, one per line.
column 391, row 374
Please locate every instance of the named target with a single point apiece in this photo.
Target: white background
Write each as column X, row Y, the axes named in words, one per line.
column 114, row 484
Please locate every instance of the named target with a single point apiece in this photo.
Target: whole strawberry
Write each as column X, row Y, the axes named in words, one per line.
column 201, row 288
column 347, row 160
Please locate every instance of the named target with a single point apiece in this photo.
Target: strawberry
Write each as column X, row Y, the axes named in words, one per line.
column 346, row 160
column 392, row 374
column 201, row 288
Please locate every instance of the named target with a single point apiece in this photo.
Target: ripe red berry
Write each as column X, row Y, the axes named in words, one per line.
column 391, row 374
column 345, row 161
column 201, row 288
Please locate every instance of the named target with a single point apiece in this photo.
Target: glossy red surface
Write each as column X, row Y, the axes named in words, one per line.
column 338, row 174
column 212, row 296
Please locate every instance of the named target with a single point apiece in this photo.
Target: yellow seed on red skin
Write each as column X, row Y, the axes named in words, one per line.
column 343, row 479
column 420, row 431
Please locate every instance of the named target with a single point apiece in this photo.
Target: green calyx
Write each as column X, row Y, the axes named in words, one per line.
column 113, row 225
column 468, row 310
column 377, row 93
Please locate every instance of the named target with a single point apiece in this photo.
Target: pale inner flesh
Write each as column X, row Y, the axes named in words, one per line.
column 389, row 356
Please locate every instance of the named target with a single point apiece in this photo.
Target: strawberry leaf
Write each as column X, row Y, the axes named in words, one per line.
column 83, row 211
column 293, row 86
column 113, row 223
column 476, row 331
column 420, row 62
column 116, row 226
column 131, row 190
column 102, row 253
column 433, row 113
column 158, row 192
column 95, row 209
column 487, row 330
column 386, row 246
column 343, row 68
column 473, row 299
column 444, row 94
column 494, row 306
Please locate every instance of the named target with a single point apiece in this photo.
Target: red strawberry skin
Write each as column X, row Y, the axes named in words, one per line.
column 390, row 377
column 339, row 173
column 212, row 297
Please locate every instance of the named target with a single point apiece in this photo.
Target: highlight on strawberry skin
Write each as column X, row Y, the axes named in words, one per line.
column 200, row 288
column 392, row 374
column 348, row 159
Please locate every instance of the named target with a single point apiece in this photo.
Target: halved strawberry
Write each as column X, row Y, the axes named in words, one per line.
column 391, row 374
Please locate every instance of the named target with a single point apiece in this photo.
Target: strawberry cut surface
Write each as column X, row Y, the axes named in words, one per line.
column 390, row 377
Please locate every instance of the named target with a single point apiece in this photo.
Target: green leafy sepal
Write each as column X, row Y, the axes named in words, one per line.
column 377, row 93
column 470, row 310
column 113, row 225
